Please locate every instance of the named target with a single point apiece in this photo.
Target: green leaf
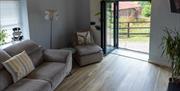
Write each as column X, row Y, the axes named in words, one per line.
column 171, row 45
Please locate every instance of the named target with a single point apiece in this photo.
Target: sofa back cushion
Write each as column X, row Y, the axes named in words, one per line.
column 34, row 51
column 5, row 77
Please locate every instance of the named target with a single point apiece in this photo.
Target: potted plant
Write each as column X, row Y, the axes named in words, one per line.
column 3, row 35
column 171, row 48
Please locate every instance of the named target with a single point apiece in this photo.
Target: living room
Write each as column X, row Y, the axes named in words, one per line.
column 42, row 48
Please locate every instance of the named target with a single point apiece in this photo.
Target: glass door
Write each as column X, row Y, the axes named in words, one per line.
column 109, row 27
column 109, row 24
column 125, row 24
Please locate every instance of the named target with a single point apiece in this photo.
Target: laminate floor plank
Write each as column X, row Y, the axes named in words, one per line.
column 117, row 73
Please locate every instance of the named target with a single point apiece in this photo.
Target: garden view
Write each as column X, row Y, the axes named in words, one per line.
column 134, row 25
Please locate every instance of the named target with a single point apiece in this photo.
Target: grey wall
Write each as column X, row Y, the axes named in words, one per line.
column 74, row 14
column 94, row 9
column 83, row 14
column 161, row 18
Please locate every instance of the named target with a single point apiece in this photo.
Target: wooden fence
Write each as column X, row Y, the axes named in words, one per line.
column 129, row 28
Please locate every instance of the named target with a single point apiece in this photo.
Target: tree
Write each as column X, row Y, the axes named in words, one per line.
column 146, row 11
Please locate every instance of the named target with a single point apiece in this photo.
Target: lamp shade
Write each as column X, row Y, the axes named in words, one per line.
column 51, row 14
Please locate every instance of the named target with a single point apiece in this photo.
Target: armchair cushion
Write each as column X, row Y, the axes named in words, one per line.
column 84, row 38
column 54, row 55
column 88, row 49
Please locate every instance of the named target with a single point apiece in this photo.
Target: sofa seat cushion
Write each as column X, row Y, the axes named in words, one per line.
column 49, row 71
column 30, row 85
column 88, row 49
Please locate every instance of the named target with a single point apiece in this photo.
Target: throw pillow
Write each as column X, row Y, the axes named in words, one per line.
column 19, row 66
column 84, row 38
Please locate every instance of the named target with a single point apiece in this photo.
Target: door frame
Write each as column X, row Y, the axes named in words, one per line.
column 103, row 25
column 115, row 23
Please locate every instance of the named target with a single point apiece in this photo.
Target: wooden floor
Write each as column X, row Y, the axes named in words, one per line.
column 117, row 73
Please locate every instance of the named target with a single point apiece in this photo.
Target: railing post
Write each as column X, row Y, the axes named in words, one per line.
column 128, row 30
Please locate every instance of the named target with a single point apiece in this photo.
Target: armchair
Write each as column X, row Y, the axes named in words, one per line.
column 87, row 53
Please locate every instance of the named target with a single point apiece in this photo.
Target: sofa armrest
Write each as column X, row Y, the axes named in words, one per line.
column 56, row 55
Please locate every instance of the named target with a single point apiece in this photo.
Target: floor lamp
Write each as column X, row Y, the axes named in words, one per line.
column 51, row 15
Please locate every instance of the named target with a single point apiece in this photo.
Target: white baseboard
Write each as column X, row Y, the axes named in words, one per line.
column 159, row 63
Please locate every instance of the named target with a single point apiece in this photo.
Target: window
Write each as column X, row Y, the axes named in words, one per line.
column 9, row 19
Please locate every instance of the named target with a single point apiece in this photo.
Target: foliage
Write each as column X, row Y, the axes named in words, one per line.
column 3, row 35
column 146, row 11
column 98, row 14
column 171, row 47
column 109, row 7
column 142, row 3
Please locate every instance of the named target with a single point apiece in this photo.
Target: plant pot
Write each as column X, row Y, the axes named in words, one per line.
column 174, row 86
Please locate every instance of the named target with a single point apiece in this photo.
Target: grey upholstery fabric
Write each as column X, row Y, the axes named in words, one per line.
column 59, row 56
column 37, row 56
column 52, row 66
column 49, row 71
column 88, row 54
column 89, row 59
column 52, row 55
column 5, row 77
column 3, row 57
column 27, row 45
column 62, row 56
column 30, row 85
column 68, row 64
column 33, row 50
column 88, row 49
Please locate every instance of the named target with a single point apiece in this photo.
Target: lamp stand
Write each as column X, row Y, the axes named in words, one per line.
column 51, row 15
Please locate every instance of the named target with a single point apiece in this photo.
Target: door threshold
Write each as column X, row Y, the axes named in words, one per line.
column 130, row 57
column 133, row 50
column 131, row 54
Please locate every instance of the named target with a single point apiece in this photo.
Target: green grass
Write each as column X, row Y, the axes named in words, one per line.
column 133, row 38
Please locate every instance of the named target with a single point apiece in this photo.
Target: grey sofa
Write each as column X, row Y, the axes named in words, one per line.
column 51, row 67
